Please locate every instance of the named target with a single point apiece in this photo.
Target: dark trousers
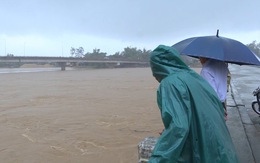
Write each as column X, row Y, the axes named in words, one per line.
column 224, row 105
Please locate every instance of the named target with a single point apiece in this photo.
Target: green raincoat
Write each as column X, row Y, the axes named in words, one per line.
column 193, row 117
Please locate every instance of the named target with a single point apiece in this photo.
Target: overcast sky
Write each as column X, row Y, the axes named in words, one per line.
column 52, row 27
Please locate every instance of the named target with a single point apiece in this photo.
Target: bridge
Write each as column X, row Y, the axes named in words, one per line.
column 65, row 61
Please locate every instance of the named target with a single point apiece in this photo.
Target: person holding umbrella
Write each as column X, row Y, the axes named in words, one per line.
column 216, row 73
column 195, row 129
column 214, row 52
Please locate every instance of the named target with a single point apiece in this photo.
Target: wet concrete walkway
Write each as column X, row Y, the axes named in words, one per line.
column 243, row 130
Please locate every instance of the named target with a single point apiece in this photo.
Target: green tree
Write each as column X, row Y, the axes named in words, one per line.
column 96, row 54
column 72, row 51
column 79, row 52
column 144, row 56
column 116, row 56
column 132, row 54
column 135, row 54
column 255, row 47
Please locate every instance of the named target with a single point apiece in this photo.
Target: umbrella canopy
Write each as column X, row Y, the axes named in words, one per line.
column 219, row 48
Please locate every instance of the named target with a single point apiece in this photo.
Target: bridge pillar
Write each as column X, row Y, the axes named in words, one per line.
column 63, row 66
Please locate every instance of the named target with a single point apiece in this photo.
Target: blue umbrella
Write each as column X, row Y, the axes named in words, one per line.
column 219, row 48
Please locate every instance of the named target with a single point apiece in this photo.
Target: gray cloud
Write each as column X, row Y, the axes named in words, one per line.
column 128, row 20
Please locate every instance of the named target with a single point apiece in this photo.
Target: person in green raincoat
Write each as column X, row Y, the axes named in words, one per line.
column 194, row 126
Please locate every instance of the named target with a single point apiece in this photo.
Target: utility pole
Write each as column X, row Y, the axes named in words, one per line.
column 24, row 48
column 5, row 47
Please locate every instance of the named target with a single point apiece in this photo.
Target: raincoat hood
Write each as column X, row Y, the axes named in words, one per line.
column 165, row 60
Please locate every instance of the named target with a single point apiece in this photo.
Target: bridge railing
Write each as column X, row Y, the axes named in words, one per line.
column 64, row 61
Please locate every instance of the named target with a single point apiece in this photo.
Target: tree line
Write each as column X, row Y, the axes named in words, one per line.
column 129, row 53
column 133, row 53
